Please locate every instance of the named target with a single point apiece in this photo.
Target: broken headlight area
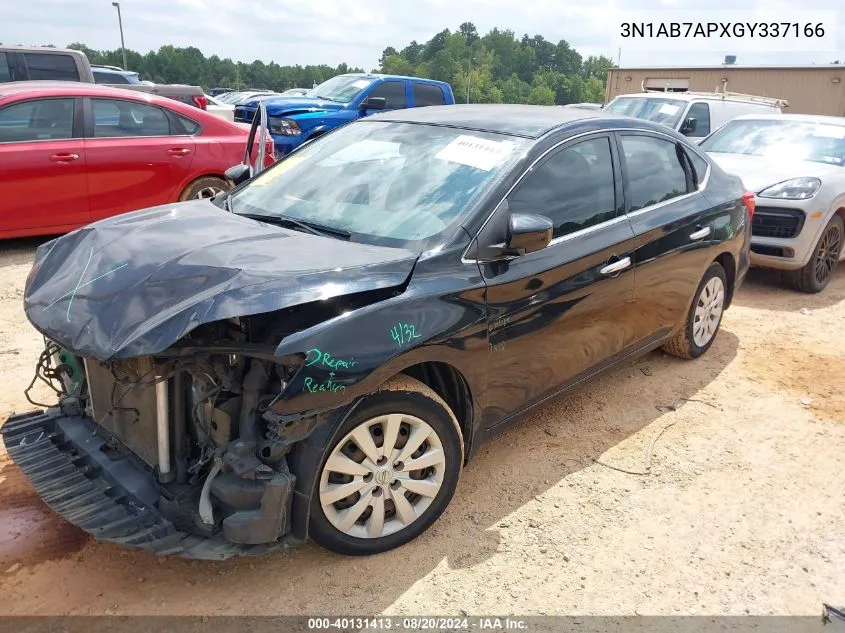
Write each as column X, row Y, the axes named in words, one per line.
column 189, row 435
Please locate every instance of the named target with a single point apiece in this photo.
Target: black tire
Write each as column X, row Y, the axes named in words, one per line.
column 683, row 344
column 205, row 187
column 403, row 395
column 818, row 272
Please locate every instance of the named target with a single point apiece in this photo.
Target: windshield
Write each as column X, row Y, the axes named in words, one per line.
column 342, row 88
column 390, row 184
column 660, row 110
column 797, row 140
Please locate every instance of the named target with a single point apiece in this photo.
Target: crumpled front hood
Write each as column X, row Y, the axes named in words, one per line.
column 137, row 283
column 759, row 173
column 292, row 105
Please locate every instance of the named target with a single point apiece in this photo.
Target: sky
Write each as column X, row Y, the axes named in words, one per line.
column 356, row 32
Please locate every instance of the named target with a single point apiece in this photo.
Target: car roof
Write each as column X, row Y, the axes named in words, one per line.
column 62, row 87
column 530, row 121
column 47, row 89
column 383, row 76
column 805, row 118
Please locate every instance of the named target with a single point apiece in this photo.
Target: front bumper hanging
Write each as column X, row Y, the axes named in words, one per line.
column 96, row 484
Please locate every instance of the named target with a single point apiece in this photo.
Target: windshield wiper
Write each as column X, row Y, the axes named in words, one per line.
column 308, row 227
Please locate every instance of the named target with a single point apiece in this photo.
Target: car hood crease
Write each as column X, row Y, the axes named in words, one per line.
column 137, row 283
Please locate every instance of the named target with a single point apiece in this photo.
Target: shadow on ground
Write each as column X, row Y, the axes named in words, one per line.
column 510, row 471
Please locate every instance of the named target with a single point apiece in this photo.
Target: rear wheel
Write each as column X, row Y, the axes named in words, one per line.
column 389, row 472
column 819, row 270
column 704, row 316
column 203, row 188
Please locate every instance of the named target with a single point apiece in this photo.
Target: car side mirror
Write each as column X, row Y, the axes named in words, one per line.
column 689, row 126
column 238, row 173
column 374, row 103
column 528, row 232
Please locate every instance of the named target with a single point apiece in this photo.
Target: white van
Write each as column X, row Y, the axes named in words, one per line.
column 693, row 114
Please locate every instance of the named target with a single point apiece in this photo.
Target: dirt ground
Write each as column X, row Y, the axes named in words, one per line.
column 742, row 512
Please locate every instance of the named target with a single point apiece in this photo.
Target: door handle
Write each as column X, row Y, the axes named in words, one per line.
column 700, row 234
column 178, row 151
column 64, row 158
column 616, row 267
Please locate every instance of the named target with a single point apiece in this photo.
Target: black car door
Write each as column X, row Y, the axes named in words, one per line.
column 557, row 314
column 673, row 223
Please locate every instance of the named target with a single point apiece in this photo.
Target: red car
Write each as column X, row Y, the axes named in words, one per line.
column 72, row 153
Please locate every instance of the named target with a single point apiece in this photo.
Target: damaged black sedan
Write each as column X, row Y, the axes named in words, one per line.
column 319, row 351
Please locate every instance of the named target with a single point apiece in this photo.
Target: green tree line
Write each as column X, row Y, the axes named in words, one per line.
column 499, row 68
column 171, row 64
column 494, row 68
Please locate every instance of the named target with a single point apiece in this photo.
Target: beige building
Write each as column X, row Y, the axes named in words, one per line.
column 808, row 89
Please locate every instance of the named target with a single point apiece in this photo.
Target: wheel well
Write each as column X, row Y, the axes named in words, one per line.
column 448, row 383
column 729, row 264
column 840, row 212
column 188, row 184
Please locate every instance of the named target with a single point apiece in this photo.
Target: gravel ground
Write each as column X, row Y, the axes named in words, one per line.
column 741, row 510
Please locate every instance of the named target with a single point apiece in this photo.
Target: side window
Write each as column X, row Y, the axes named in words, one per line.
column 51, row 66
column 191, row 126
column 5, row 72
column 699, row 165
column 427, row 95
column 701, row 113
column 574, row 188
column 393, row 92
column 113, row 117
column 655, row 172
column 37, row 120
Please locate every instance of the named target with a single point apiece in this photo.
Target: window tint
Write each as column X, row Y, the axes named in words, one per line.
column 701, row 113
column 699, row 165
column 655, row 172
column 427, row 95
column 574, row 188
column 393, row 91
column 37, row 120
column 51, row 66
column 113, row 117
column 5, row 73
column 109, row 78
column 191, row 126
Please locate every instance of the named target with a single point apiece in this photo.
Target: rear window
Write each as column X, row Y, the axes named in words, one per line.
column 428, row 95
column 109, row 78
column 51, row 66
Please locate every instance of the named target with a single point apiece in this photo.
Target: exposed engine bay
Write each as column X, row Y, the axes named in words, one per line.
column 199, row 419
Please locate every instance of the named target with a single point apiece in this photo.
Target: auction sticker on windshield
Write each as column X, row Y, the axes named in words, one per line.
column 668, row 108
column 476, row 152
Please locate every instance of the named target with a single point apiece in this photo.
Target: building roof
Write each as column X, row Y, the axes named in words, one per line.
column 736, row 67
column 520, row 120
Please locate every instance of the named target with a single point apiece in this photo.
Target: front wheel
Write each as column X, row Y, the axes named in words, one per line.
column 389, row 471
column 818, row 272
column 704, row 316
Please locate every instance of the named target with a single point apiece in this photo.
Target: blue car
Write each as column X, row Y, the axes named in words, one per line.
column 340, row 100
